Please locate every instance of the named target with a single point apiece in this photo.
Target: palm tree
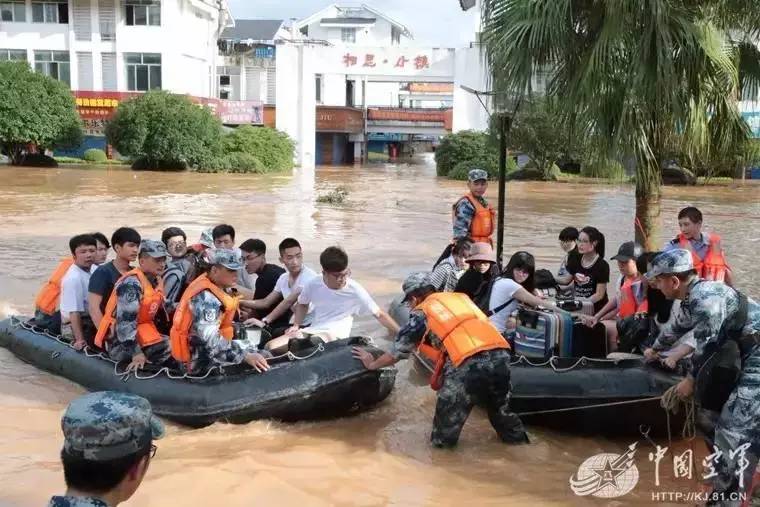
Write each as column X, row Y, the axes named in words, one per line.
column 637, row 75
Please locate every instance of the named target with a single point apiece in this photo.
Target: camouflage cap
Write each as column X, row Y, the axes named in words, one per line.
column 671, row 262
column 230, row 259
column 207, row 238
column 108, row 425
column 477, row 174
column 155, row 249
column 415, row 281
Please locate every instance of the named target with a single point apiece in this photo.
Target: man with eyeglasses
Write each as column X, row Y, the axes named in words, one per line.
column 107, row 448
column 336, row 299
column 265, row 275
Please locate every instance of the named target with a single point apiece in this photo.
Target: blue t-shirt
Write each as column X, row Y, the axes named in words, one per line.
column 102, row 282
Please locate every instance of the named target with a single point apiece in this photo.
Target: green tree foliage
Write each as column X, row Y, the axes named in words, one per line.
column 467, row 146
column 95, row 155
column 35, row 109
column 631, row 73
column 274, row 149
column 538, row 132
column 164, row 131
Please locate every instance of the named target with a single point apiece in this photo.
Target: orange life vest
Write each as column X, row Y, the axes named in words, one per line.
column 183, row 317
column 714, row 266
column 152, row 301
column 461, row 326
column 50, row 293
column 482, row 225
column 632, row 298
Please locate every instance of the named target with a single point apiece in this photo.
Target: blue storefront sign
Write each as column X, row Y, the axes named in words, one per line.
column 266, row 52
column 390, row 137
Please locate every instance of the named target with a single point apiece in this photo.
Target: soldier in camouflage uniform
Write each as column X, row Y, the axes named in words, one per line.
column 482, row 379
column 123, row 346
column 207, row 345
column 711, row 310
column 108, row 445
column 464, row 211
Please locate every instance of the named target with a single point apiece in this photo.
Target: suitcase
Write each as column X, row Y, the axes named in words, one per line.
column 541, row 334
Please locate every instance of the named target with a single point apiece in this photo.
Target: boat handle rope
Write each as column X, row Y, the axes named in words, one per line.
column 16, row 322
column 587, row 407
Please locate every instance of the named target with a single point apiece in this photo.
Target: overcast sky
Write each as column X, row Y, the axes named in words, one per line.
column 436, row 23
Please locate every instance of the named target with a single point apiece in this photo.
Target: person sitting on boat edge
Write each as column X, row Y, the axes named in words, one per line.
column 101, row 253
column 135, row 323
column 471, row 216
column 202, row 329
column 107, row 448
column 125, row 241
column 477, row 281
column 590, row 272
column 631, row 301
column 720, row 317
column 706, row 248
column 336, row 299
column 568, row 241
column 47, row 315
column 445, row 274
column 472, row 360
column 76, row 325
column 254, row 255
column 286, row 291
column 516, row 285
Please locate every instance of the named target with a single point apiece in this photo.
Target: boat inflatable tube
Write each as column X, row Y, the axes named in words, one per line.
column 328, row 382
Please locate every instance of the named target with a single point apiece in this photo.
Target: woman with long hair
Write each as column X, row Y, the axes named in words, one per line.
column 516, row 285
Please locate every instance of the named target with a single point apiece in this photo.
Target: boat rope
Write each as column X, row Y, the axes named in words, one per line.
column 17, row 322
column 587, row 407
column 671, row 403
column 581, row 361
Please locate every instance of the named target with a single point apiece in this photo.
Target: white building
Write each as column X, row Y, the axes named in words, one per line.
column 247, row 68
column 118, row 45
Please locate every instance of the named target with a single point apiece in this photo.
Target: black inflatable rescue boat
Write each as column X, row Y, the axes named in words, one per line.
column 580, row 394
column 320, row 382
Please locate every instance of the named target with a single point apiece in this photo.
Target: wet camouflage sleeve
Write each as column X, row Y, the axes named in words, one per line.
column 76, row 501
column 208, row 347
column 410, row 335
column 173, row 280
column 705, row 309
column 463, row 214
column 128, row 294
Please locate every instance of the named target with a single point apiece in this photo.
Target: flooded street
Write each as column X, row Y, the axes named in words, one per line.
column 396, row 219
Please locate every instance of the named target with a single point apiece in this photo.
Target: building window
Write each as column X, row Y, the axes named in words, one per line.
column 143, row 71
column 224, row 94
column 13, row 55
column 224, row 80
column 143, row 12
column 348, row 35
column 54, row 64
column 14, row 12
column 50, row 12
column 318, row 91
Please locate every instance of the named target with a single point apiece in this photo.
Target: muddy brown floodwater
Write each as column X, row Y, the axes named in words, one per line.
column 396, row 219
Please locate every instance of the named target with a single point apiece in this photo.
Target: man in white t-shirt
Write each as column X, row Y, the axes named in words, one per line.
column 76, row 325
column 336, row 299
column 286, row 290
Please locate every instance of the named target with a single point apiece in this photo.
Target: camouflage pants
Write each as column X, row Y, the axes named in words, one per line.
column 739, row 424
column 157, row 354
column 481, row 380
